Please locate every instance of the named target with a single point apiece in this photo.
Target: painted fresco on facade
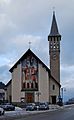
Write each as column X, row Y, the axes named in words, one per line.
column 30, row 73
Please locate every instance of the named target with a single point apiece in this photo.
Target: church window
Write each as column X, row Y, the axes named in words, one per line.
column 54, row 46
column 24, row 85
column 31, row 85
column 53, row 87
column 36, row 85
column 57, row 45
column 51, row 45
column 27, row 85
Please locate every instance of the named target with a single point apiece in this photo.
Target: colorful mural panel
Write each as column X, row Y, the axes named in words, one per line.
column 30, row 73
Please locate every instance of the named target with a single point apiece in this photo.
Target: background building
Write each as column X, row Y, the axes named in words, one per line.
column 8, row 91
column 2, row 92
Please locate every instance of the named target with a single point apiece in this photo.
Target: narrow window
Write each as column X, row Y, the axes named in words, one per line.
column 53, row 87
column 31, row 85
column 36, row 85
column 27, row 85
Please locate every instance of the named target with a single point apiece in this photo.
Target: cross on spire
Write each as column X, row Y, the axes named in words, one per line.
column 53, row 9
column 29, row 44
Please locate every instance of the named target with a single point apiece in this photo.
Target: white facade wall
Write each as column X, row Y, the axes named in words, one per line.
column 16, row 84
column 44, row 85
column 8, row 92
column 43, row 82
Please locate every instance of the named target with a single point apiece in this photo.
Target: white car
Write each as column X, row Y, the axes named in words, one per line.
column 1, row 111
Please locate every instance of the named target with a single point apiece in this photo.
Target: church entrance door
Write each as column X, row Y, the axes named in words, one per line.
column 29, row 97
column 53, row 99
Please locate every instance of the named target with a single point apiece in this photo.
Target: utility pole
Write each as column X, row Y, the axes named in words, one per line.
column 62, row 93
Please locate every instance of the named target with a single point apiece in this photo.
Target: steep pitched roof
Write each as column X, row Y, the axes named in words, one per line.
column 54, row 28
column 8, row 83
column 24, row 56
column 55, row 80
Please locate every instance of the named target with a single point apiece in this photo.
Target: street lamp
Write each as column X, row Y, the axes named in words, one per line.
column 62, row 93
column 38, row 94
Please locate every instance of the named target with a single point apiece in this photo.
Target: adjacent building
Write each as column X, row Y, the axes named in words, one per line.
column 8, row 91
column 2, row 92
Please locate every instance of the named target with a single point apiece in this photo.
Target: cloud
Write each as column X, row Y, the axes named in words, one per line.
column 67, row 80
column 21, row 43
column 4, row 73
column 2, row 2
column 67, row 74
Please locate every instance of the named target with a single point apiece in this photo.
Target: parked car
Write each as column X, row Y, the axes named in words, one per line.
column 60, row 102
column 8, row 107
column 36, row 107
column 30, row 107
column 43, row 106
column 1, row 111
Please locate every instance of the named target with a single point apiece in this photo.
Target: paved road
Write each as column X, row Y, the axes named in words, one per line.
column 62, row 114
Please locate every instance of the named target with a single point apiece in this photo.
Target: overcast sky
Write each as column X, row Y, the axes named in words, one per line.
column 22, row 21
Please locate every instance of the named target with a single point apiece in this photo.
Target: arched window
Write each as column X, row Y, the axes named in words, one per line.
column 31, row 85
column 24, row 85
column 36, row 85
column 27, row 85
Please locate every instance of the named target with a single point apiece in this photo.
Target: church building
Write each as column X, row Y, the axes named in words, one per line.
column 32, row 80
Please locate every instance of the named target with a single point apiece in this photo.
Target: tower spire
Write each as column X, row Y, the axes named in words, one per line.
column 54, row 49
column 54, row 28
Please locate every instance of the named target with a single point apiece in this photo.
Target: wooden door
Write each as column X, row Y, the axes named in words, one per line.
column 53, row 99
column 29, row 97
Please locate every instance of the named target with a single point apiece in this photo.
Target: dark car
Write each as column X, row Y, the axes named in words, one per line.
column 36, row 107
column 8, row 107
column 60, row 102
column 30, row 107
column 43, row 106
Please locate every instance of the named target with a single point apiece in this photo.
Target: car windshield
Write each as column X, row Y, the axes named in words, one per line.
column 42, row 104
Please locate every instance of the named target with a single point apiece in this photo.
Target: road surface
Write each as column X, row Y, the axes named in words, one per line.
column 62, row 114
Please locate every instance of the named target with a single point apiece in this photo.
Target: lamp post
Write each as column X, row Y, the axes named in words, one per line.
column 38, row 94
column 62, row 93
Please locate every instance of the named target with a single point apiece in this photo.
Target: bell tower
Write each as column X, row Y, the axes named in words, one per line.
column 54, row 49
